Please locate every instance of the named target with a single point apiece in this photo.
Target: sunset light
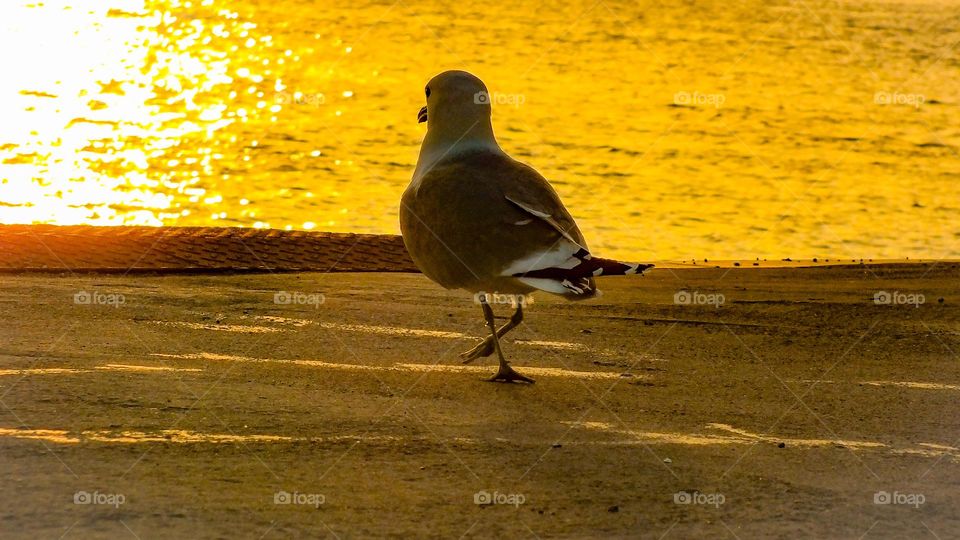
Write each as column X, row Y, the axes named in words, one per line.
column 578, row 269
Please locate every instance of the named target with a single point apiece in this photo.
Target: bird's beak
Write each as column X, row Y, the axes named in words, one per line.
column 422, row 115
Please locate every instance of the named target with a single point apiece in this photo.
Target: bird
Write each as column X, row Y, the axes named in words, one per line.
column 474, row 218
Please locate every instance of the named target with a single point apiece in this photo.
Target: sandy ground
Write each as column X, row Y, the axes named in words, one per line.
column 195, row 406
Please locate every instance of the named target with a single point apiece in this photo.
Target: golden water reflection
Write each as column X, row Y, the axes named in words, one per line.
column 765, row 129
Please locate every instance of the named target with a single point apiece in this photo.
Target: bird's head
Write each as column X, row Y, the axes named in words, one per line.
column 458, row 119
column 455, row 99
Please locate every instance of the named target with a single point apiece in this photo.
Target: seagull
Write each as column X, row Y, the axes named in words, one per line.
column 474, row 218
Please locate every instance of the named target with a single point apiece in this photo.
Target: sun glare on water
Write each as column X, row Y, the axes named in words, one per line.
column 107, row 111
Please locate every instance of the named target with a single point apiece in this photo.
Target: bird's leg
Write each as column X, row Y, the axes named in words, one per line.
column 505, row 373
column 485, row 347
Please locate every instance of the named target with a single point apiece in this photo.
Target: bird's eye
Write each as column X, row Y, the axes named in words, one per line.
column 428, row 91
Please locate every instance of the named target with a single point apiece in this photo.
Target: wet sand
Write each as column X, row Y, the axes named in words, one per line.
column 190, row 405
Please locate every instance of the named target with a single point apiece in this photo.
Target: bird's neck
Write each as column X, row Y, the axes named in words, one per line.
column 442, row 144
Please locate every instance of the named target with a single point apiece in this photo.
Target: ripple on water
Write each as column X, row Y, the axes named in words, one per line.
column 163, row 112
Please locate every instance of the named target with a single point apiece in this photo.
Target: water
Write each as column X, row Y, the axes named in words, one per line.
column 717, row 129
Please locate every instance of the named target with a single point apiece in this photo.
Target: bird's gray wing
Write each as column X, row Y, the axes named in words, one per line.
column 529, row 190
